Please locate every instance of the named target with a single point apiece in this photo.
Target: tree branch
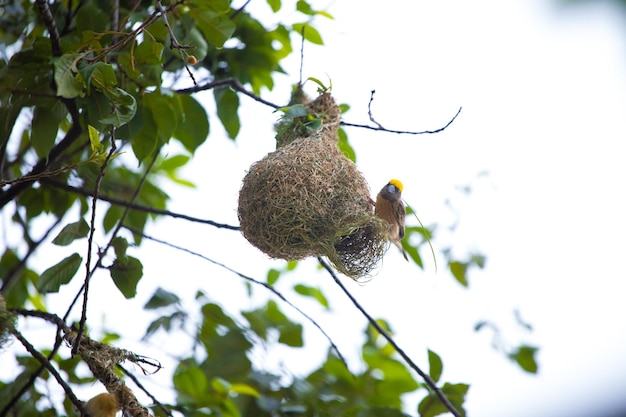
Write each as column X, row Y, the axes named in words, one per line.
column 227, row 82
column 104, row 251
column 99, row 357
column 46, row 363
column 383, row 333
column 92, row 229
column 378, row 127
column 48, row 19
column 174, row 44
column 369, row 110
column 138, row 207
column 57, row 344
column 141, row 387
column 249, row 279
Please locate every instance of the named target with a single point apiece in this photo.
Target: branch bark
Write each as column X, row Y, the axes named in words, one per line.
column 431, row 384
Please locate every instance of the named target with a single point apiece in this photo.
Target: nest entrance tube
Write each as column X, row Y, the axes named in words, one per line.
column 307, row 199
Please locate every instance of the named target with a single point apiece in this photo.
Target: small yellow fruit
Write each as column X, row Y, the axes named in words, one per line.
column 192, row 60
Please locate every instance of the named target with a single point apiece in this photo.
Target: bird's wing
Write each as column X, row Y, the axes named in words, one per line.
column 400, row 215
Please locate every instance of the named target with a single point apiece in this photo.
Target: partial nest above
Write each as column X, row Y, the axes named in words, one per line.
column 307, row 199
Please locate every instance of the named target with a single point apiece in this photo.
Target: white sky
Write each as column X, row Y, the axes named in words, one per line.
column 543, row 91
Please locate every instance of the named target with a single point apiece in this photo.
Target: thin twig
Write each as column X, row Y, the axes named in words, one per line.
column 301, row 55
column 174, row 44
column 33, row 377
column 41, row 175
column 141, row 387
column 383, row 333
column 369, row 111
column 247, row 278
column 104, row 251
column 45, row 362
column 227, row 82
column 239, row 10
column 92, row 229
column 403, row 132
column 139, row 207
column 132, row 35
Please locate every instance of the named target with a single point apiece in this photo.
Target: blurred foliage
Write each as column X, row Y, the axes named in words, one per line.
column 97, row 82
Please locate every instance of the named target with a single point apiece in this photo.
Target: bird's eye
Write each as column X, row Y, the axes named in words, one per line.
column 392, row 188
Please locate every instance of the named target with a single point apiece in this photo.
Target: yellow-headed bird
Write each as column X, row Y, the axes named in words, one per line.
column 389, row 207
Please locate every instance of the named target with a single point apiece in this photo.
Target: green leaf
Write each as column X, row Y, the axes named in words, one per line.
column 124, row 107
column 435, row 365
column 432, row 406
column 94, row 140
column 304, row 7
column 165, row 323
column 90, row 17
column 310, row 33
column 412, row 251
column 161, row 298
column 60, row 274
column 101, row 75
column 227, row 103
column 274, row 4
column 191, row 383
column 459, row 271
column 71, row 232
column 525, row 357
column 291, row 335
column 166, row 111
column 198, row 43
column 344, row 146
column 220, row 385
column 244, row 389
column 69, row 83
column 312, row 292
column 120, row 245
column 258, row 322
column 478, row 260
column 322, row 88
column 272, row 276
column 44, row 130
column 274, row 314
column 126, row 274
column 297, row 110
column 146, row 140
column 215, row 25
column 193, row 131
column 148, row 52
column 171, row 164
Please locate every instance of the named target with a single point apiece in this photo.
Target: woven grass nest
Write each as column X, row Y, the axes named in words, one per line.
column 307, row 199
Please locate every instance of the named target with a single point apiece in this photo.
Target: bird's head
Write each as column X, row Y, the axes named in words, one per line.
column 395, row 186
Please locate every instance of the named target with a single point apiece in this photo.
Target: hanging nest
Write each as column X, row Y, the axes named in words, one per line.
column 307, row 199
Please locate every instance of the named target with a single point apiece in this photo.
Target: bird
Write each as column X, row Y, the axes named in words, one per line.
column 103, row 405
column 389, row 207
